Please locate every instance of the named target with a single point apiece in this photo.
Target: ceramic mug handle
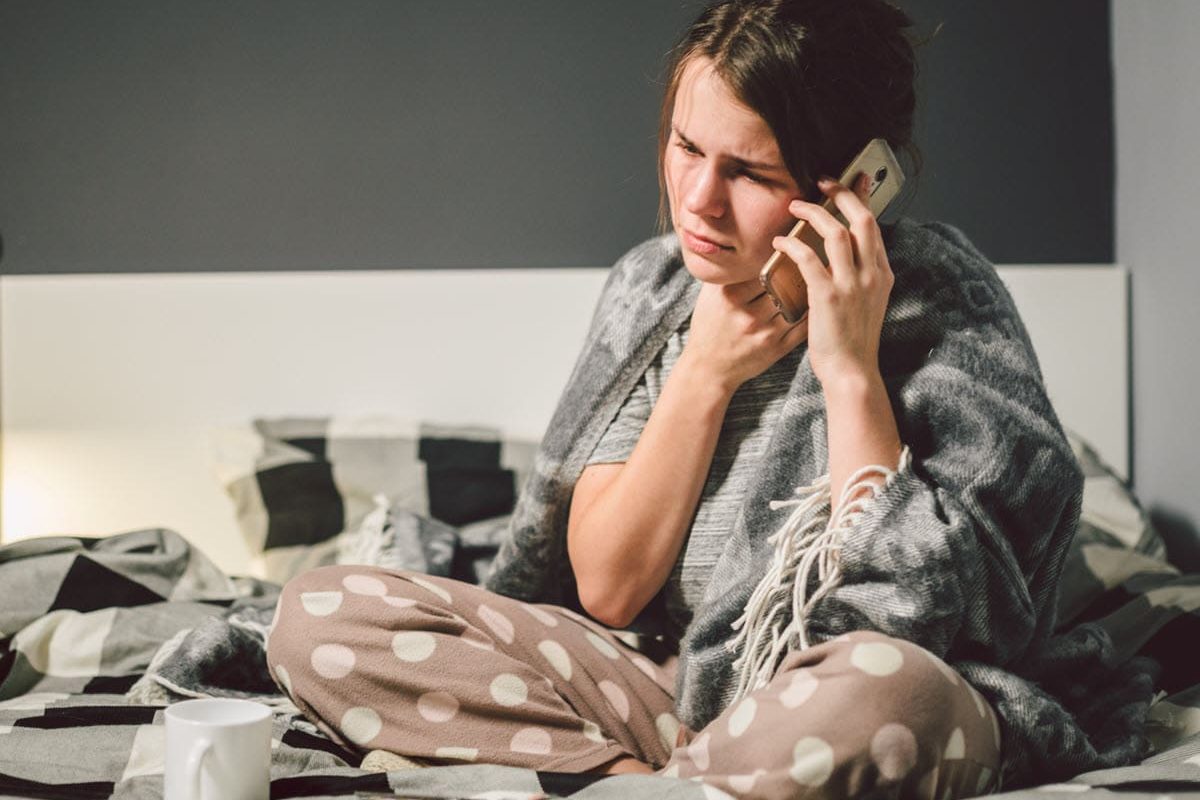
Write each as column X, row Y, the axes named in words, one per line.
column 200, row 749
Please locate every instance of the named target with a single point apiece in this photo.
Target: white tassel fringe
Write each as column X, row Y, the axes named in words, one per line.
column 800, row 545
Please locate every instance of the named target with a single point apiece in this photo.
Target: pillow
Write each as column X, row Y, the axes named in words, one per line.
column 1111, row 514
column 1114, row 541
column 324, row 490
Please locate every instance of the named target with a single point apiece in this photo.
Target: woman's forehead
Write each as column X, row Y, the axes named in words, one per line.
column 708, row 114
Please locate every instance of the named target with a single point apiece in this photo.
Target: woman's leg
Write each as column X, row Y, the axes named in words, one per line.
column 446, row 671
column 864, row 714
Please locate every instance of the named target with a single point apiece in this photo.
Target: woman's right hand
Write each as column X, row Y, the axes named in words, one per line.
column 737, row 333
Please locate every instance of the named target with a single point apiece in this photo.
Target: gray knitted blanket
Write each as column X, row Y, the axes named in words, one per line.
column 960, row 553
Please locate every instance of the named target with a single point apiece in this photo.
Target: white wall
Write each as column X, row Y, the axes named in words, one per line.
column 114, row 384
column 1156, row 68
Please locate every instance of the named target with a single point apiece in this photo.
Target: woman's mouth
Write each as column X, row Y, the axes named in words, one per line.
column 701, row 245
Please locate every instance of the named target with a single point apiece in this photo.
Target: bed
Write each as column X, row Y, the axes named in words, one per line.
column 215, row 434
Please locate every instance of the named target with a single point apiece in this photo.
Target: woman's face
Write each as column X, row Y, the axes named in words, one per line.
column 726, row 182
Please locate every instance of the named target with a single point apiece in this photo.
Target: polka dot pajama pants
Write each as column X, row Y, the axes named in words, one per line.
column 448, row 672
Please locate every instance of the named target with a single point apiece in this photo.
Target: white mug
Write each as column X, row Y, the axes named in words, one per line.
column 218, row 749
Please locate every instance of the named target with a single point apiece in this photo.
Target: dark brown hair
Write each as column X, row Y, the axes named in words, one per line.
column 827, row 76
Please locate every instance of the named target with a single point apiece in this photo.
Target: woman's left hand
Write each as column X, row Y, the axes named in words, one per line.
column 847, row 301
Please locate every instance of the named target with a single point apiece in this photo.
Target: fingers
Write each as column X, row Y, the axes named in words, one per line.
column 852, row 204
column 744, row 292
column 795, row 333
column 839, row 245
column 815, row 274
column 849, row 250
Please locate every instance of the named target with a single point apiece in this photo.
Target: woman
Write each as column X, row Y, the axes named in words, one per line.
column 869, row 634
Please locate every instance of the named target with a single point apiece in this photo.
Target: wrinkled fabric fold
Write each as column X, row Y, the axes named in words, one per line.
column 961, row 554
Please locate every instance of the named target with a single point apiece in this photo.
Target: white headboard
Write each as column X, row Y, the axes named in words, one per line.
column 113, row 385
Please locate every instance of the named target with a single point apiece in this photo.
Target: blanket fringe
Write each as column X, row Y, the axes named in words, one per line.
column 808, row 539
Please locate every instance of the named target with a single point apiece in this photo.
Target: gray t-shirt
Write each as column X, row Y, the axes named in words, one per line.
column 745, row 432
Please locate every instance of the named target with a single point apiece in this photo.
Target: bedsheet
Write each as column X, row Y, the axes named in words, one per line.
column 98, row 636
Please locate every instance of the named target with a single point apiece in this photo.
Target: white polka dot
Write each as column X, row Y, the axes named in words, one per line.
column 645, row 665
column 956, row 748
column 433, row 587
column 877, row 658
column 332, row 660
column 509, row 690
column 812, row 761
column 803, row 684
column 285, row 680
column 365, row 584
column 592, row 731
column 461, row 753
column 413, row 645
column 894, row 751
column 668, row 730
column 361, row 724
column 501, row 625
column 1063, row 787
column 743, row 784
column 942, row 666
column 321, row 604
column 437, row 706
column 400, row 602
column 556, row 654
column 540, row 615
column 531, row 740
column 604, row 647
column 616, row 698
column 713, row 793
column 742, row 716
column 698, row 751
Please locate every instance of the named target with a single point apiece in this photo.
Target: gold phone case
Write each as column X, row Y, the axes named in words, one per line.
column 781, row 277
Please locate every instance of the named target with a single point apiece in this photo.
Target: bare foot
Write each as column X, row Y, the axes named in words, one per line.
column 623, row 764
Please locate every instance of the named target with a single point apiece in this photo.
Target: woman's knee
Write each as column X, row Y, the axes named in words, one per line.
column 892, row 679
column 305, row 604
column 332, row 604
column 906, row 714
column 864, row 711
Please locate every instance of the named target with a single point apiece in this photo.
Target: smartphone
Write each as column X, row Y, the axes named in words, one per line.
column 781, row 277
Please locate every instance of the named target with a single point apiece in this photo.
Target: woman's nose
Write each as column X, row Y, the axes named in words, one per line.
column 705, row 197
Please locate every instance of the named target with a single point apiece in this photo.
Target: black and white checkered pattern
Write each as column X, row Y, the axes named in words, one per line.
column 310, row 484
column 82, row 619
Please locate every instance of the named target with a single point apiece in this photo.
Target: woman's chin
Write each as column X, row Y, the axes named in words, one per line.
column 709, row 271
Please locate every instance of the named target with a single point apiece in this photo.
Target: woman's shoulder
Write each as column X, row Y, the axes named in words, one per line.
column 656, row 255
column 942, row 277
column 932, row 241
column 937, row 261
column 646, row 268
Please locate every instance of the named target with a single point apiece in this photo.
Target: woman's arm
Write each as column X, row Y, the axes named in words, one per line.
column 862, row 430
column 848, row 302
column 626, row 529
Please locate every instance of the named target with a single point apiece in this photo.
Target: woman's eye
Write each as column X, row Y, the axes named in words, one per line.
column 692, row 150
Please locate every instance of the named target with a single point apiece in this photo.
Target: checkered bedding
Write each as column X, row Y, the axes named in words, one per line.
column 97, row 636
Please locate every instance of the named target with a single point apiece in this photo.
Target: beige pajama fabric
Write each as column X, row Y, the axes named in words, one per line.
column 440, row 669
column 446, row 671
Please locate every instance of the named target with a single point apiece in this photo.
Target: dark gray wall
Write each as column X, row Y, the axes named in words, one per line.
column 163, row 135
